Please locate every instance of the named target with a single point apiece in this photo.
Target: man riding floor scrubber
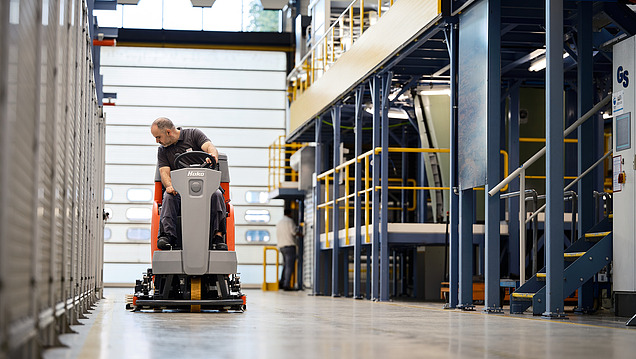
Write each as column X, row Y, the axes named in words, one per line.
column 190, row 276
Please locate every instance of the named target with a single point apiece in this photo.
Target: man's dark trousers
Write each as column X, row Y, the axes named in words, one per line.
column 289, row 260
column 171, row 208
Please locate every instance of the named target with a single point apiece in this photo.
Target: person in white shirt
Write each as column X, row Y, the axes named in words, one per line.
column 286, row 232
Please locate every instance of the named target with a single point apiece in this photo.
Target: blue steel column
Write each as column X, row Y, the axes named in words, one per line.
column 492, row 235
column 357, row 206
column 453, row 253
column 466, row 211
column 586, row 157
column 375, row 180
column 554, row 158
column 384, row 177
column 335, row 242
column 317, row 217
column 513, row 163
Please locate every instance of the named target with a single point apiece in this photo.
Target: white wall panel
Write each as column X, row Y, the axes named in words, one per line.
column 220, row 137
column 253, row 255
column 243, row 176
column 124, row 273
column 241, row 229
column 205, row 98
column 131, row 253
column 146, row 154
column 120, row 191
column 144, row 174
column 197, row 117
column 194, row 58
column 238, row 196
column 122, row 154
column 194, row 78
column 237, row 98
column 276, row 214
column 118, row 232
column 118, row 214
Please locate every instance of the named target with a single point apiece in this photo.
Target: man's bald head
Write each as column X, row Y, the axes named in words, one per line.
column 164, row 132
column 163, row 123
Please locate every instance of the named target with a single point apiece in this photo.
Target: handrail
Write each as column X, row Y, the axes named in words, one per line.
column 278, row 167
column 600, row 160
column 328, row 48
column 329, row 203
column 319, row 41
column 541, row 152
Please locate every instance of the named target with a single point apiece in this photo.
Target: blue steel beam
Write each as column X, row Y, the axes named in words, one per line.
column 492, row 301
column 384, row 175
column 586, row 133
column 453, row 252
column 466, row 250
column 335, row 242
column 375, row 245
column 357, row 206
column 317, row 197
column 554, row 159
column 513, row 162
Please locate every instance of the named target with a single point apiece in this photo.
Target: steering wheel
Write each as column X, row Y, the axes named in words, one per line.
column 194, row 159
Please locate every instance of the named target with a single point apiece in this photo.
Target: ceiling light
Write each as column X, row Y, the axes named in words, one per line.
column 394, row 112
column 540, row 63
column 273, row 4
column 202, row 3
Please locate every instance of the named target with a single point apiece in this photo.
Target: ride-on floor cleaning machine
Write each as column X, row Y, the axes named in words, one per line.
column 191, row 277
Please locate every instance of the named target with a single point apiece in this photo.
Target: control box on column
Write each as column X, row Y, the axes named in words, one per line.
column 624, row 177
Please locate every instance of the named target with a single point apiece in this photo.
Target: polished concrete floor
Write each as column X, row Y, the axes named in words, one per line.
column 295, row 325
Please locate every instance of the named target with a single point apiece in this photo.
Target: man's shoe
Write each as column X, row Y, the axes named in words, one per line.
column 218, row 244
column 164, row 244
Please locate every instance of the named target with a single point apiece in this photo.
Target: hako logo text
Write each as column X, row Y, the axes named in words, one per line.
column 196, row 174
column 621, row 76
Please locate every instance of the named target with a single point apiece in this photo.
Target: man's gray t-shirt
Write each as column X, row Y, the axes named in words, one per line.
column 190, row 139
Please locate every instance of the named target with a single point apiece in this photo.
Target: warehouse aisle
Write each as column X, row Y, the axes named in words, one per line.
column 294, row 325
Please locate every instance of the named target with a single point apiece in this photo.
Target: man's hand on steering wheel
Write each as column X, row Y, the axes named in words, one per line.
column 187, row 159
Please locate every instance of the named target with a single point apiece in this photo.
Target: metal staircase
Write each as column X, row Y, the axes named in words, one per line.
column 582, row 260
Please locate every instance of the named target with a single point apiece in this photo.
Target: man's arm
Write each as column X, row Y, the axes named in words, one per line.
column 209, row 148
column 166, row 180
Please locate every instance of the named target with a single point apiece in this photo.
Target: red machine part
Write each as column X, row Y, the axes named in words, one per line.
column 229, row 235
column 154, row 226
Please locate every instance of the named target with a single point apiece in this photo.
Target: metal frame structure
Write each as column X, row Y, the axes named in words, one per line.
column 516, row 33
column 52, row 212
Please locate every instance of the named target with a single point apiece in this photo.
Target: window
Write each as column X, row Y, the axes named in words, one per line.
column 138, row 214
column 138, row 234
column 256, row 197
column 107, row 233
column 257, row 236
column 108, row 194
column 139, row 195
column 257, row 215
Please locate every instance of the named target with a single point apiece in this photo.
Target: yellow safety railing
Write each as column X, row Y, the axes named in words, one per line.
column 337, row 40
column 542, row 140
column 279, row 169
column 326, row 177
column 271, row 285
